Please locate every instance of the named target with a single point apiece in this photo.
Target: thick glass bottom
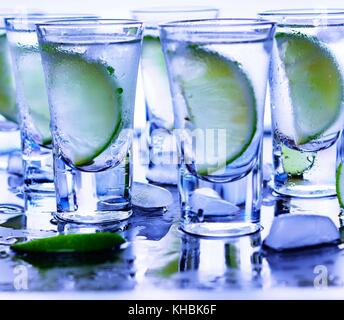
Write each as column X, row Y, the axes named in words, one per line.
column 221, row 209
column 221, row 229
column 93, row 197
column 304, row 190
column 100, row 217
column 11, row 209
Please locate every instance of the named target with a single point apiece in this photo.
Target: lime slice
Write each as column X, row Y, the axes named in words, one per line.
column 218, row 95
column 7, row 92
column 34, row 91
column 87, row 103
column 295, row 162
column 340, row 185
column 155, row 76
column 315, row 84
column 71, row 243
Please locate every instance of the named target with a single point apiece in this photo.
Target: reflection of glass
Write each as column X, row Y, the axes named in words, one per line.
column 32, row 100
column 238, row 261
column 90, row 68
column 156, row 88
column 219, row 90
column 306, row 83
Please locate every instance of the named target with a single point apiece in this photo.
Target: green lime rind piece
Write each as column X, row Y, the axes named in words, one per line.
column 340, row 185
column 71, row 243
column 92, row 112
column 218, row 95
column 295, row 162
column 8, row 107
column 34, row 90
column 315, row 84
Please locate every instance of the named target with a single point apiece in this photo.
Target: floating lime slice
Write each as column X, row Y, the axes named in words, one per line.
column 156, row 85
column 7, row 92
column 34, row 91
column 315, row 84
column 340, row 185
column 87, row 103
column 218, row 95
column 71, row 243
column 296, row 162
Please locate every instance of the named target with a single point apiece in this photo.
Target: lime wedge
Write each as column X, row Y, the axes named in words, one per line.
column 218, row 95
column 295, row 162
column 87, row 103
column 34, row 91
column 71, row 243
column 315, row 84
column 340, row 185
column 155, row 76
column 7, row 92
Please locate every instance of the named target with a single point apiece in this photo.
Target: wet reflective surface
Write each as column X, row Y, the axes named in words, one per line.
column 160, row 261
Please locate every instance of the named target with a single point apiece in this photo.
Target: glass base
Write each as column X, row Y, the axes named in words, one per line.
column 221, row 209
column 93, row 197
column 11, row 209
column 306, row 173
column 221, row 229
column 305, row 191
column 102, row 217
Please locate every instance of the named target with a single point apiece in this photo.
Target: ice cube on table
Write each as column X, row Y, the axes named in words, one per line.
column 291, row 231
column 209, row 201
column 148, row 196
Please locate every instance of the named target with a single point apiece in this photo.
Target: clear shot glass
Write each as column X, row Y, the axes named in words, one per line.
column 91, row 68
column 218, row 71
column 306, row 94
column 32, row 100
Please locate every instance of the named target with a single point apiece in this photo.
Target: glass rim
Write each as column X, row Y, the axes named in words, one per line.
column 173, row 9
column 299, row 12
column 28, row 22
column 88, row 22
column 218, row 22
column 16, row 14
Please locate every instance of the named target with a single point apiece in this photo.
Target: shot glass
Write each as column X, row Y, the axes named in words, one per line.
column 162, row 167
column 306, row 90
column 90, row 68
column 218, row 88
column 9, row 118
column 32, row 100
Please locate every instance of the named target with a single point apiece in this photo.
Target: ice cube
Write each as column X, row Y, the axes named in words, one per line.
column 209, row 201
column 291, row 231
column 148, row 196
column 165, row 174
